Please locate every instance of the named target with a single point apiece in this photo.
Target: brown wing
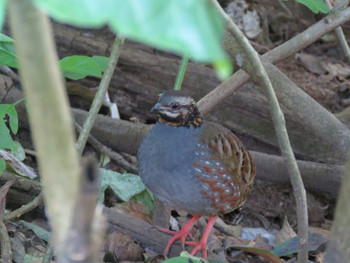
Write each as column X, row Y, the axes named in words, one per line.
column 226, row 148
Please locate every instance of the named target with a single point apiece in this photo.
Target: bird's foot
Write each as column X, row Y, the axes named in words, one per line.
column 201, row 245
column 181, row 235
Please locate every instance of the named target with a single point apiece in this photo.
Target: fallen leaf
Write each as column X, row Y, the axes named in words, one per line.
column 123, row 247
column 291, row 246
column 286, row 233
column 19, row 167
column 271, row 257
column 135, row 209
column 312, row 63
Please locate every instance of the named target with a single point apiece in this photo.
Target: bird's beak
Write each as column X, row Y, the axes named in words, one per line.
column 156, row 107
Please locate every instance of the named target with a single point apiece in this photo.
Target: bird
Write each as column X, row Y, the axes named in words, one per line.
column 193, row 165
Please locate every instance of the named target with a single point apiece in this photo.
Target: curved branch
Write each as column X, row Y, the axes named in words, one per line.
column 261, row 77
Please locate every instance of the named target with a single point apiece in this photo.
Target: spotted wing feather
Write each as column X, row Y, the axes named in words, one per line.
column 231, row 168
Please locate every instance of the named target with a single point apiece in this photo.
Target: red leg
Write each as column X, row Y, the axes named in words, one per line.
column 182, row 234
column 202, row 244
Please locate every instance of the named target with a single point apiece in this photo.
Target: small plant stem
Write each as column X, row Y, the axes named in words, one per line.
column 102, row 89
column 24, row 208
column 49, row 114
column 340, row 35
column 281, row 132
column 181, row 73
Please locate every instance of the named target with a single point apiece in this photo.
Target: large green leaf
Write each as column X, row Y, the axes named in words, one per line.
column 6, row 141
column 7, row 50
column 315, row 6
column 187, row 27
column 291, row 246
column 124, row 186
column 77, row 67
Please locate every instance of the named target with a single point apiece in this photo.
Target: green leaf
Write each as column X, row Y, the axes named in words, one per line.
column 124, row 186
column 270, row 257
column 6, row 141
column 18, row 151
column 40, row 232
column 9, row 109
column 187, row 27
column 82, row 66
column 147, row 199
column 7, row 51
column 101, row 61
column 315, row 6
column 291, row 246
column 2, row 166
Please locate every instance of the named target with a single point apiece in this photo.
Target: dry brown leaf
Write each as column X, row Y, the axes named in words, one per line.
column 312, row 63
column 286, row 233
column 135, row 209
column 123, row 247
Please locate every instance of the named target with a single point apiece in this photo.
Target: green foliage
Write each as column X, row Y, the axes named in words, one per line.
column 124, row 186
column 73, row 67
column 6, row 141
column 147, row 199
column 7, row 51
column 187, row 27
column 78, row 67
column 315, row 6
column 291, row 246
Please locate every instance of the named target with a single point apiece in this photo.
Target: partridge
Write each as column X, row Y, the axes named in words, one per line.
column 194, row 165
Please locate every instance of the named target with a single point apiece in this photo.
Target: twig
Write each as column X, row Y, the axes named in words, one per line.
column 99, row 97
column 281, row 132
column 340, row 35
column 9, row 72
column 181, row 73
column 290, row 47
column 105, row 150
column 51, row 123
column 81, row 244
column 24, row 208
column 6, row 252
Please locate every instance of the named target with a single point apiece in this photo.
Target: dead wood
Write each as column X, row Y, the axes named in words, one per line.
column 143, row 73
column 125, row 136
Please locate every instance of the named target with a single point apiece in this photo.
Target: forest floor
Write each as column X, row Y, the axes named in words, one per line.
column 321, row 71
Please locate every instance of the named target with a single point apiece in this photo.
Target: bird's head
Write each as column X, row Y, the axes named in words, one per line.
column 176, row 109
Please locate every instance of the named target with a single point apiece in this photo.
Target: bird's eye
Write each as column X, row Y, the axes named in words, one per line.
column 175, row 105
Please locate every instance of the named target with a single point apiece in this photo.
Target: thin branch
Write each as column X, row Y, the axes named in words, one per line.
column 24, row 208
column 49, row 114
column 99, row 97
column 290, row 47
column 281, row 132
column 340, row 35
column 111, row 154
column 9, row 72
column 181, row 73
column 5, row 244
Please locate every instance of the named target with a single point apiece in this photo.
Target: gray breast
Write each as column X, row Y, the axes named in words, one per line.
column 165, row 160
